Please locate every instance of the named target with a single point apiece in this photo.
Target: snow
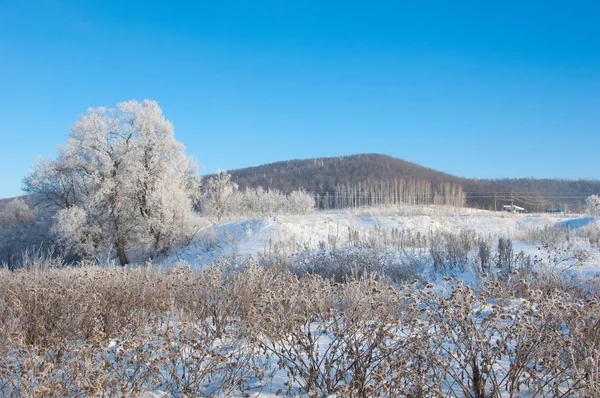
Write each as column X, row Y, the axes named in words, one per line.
column 294, row 233
column 576, row 223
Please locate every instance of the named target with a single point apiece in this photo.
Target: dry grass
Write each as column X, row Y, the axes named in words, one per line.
column 227, row 331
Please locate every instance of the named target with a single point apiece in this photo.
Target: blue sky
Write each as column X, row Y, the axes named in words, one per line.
column 478, row 89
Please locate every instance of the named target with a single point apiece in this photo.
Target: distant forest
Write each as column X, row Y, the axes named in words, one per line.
column 371, row 179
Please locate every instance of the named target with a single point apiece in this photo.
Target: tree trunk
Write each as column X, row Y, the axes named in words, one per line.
column 121, row 252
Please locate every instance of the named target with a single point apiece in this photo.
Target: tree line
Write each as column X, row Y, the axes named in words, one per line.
column 330, row 178
column 399, row 191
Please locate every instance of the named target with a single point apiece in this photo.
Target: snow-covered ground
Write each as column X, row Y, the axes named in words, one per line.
column 322, row 231
column 294, row 233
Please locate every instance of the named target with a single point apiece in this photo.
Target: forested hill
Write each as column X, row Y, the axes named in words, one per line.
column 380, row 172
column 324, row 174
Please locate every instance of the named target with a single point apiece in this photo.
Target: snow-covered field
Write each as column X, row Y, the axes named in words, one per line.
column 277, row 326
column 294, row 233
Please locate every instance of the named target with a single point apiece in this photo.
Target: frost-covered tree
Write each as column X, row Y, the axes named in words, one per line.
column 300, row 202
column 16, row 220
column 122, row 182
column 16, row 212
column 222, row 199
column 219, row 195
column 592, row 205
column 21, row 229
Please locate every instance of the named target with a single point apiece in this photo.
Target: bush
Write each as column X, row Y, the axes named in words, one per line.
column 484, row 255
column 592, row 205
column 341, row 265
column 24, row 235
column 223, row 200
column 236, row 330
column 505, row 254
column 451, row 251
column 354, row 263
column 591, row 232
column 550, row 236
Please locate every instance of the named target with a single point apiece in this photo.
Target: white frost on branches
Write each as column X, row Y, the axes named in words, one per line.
column 592, row 205
column 222, row 199
column 219, row 195
column 122, row 182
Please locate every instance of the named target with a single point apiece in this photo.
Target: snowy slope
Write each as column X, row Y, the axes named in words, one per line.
column 293, row 233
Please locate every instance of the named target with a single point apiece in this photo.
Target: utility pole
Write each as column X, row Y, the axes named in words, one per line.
column 495, row 207
column 512, row 202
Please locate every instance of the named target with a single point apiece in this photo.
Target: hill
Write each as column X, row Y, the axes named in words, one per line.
column 378, row 178
column 324, row 174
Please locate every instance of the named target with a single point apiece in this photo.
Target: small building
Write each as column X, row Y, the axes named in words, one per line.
column 513, row 209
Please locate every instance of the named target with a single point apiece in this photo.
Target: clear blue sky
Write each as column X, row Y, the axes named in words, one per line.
column 478, row 89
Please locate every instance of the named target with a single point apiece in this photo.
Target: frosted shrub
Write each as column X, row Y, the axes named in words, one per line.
column 259, row 202
column 351, row 339
column 550, row 236
column 22, row 231
column 16, row 212
column 463, row 344
column 62, row 323
column 451, row 251
column 341, row 265
column 219, row 197
column 591, row 232
column 592, row 205
column 553, row 269
column 222, row 199
column 349, row 263
column 504, row 254
column 300, row 202
column 484, row 255
column 192, row 362
column 504, row 349
column 400, row 239
column 243, row 329
column 407, row 267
